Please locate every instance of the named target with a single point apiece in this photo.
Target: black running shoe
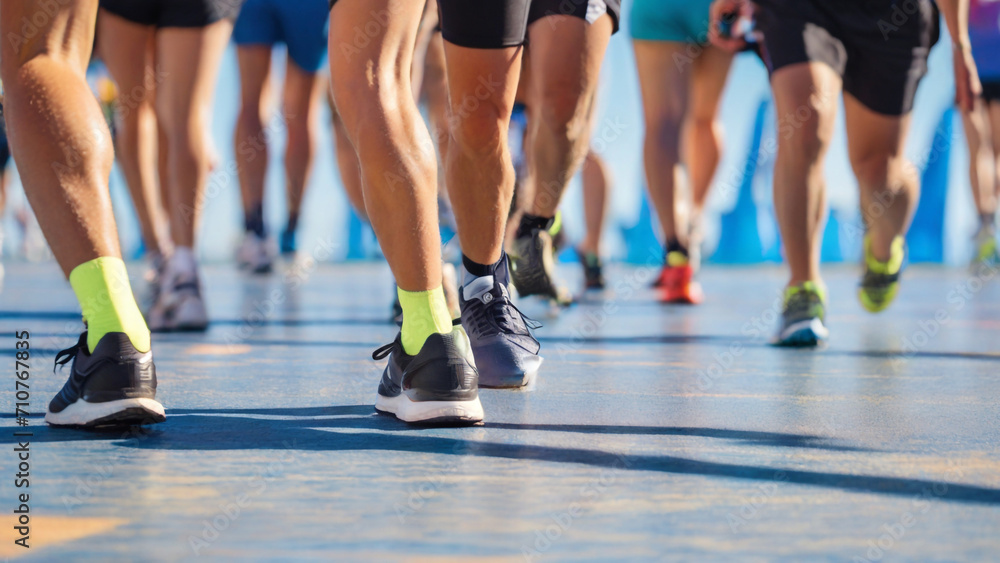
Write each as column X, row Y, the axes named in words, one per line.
column 533, row 267
column 506, row 352
column 115, row 385
column 593, row 271
column 437, row 386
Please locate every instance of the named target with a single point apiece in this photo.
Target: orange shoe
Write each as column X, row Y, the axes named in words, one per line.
column 677, row 283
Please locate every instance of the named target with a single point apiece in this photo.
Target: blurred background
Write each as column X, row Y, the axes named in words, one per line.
column 739, row 224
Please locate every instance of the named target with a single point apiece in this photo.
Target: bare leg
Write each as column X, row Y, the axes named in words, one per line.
column 805, row 97
column 981, row 159
column 994, row 111
column 132, row 71
column 59, row 138
column 250, row 140
column 596, row 192
column 371, row 86
column 479, row 169
column 889, row 185
column 191, row 57
column 436, row 92
column 703, row 134
column 301, row 102
column 665, row 100
column 566, row 63
column 347, row 164
column 63, row 150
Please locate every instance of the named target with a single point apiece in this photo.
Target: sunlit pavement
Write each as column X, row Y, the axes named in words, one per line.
column 653, row 432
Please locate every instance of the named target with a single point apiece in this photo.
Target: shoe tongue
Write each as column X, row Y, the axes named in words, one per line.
column 477, row 287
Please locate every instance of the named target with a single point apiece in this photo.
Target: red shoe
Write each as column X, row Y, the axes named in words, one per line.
column 677, row 286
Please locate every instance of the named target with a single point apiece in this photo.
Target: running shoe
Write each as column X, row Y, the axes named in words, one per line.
column 987, row 254
column 255, row 255
column 880, row 282
column 506, row 352
column 288, row 243
column 593, row 271
column 179, row 306
column 803, row 316
column 558, row 234
column 437, row 386
column 677, row 285
column 113, row 386
column 533, row 268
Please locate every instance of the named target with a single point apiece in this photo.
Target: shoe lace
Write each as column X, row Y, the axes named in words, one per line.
column 64, row 357
column 383, row 351
column 802, row 301
column 500, row 315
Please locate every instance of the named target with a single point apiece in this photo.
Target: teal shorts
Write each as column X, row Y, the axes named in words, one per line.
column 681, row 21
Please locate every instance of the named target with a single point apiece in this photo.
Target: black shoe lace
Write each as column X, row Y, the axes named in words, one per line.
column 383, row 351
column 64, row 357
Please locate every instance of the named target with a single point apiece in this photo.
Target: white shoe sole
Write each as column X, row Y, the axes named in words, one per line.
column 189, row 315
column 431, row 412
column 803, row 333
column 120, row 412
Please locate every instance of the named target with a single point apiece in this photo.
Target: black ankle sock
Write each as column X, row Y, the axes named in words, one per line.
column 674, row 246
column 253, row 220
column 480, row 270
column 530, row 222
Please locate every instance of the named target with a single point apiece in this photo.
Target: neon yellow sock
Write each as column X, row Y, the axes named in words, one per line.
column 424, row 313
column 105, row 295
column 895, row 261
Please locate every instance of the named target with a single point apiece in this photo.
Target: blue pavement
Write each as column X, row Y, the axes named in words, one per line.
column 654, row 433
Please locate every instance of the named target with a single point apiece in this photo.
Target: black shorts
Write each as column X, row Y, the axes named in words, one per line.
column 495, row 24
column 173, row 13
column 878, row 47
column 991, row 90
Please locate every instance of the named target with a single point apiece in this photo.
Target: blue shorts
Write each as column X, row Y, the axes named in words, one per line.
column 302, row 25
column 680, row 21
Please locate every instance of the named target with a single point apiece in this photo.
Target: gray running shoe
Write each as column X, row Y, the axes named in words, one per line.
column 437, row 386
column 506, row 352
column 534, row 267
column 803, row 316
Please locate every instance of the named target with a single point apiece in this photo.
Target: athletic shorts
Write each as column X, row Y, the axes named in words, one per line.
column 495, row 24
column 680, row 21
column 302, row 25
column 878, row 47
column 991, row 90
column 173, row 13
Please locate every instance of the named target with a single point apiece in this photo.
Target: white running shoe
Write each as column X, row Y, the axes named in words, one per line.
column 255, row 254
column 179, row 306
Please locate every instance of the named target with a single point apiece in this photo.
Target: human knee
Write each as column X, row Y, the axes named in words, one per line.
column 665, row 132
column 476, row 127
column 880, row 170
column 563, row 111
